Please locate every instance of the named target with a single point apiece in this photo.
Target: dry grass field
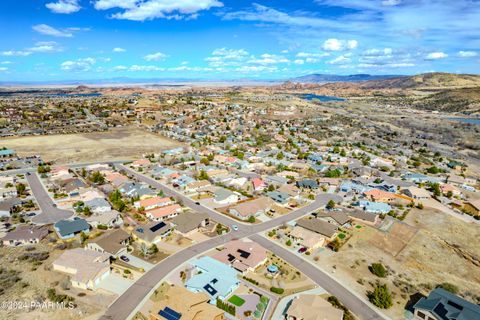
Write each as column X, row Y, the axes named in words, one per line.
column 436, row 248
column 116, row 144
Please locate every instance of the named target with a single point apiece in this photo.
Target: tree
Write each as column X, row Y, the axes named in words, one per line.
column 378, row 269
column 251, row 219
column 433, row 170
column 280, row 156
column 153, row 249
column 203, row 175
column 289, row 242
column 331, row 204
column 21, row 188
column 380, row 296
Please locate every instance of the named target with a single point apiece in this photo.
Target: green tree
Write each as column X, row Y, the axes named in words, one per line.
column 380, row 296
column 331, row 204
column 251, row 219
column 21, row 188
column 378, row 269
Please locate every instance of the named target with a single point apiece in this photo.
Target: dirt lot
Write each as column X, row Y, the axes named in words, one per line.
column 36, row 278
column 436, row 248
column 116, row 144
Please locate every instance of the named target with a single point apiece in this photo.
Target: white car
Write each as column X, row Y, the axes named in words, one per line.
column 234, row 227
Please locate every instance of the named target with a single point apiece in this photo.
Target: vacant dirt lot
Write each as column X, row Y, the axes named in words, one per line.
column 443, row 249
column 116, row 144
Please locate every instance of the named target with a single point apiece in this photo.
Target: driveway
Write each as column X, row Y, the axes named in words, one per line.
column 115, row 283
column 50, row 214
column 138, row 263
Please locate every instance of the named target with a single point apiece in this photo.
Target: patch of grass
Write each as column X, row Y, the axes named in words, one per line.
column 342, row 235
column 236, row 300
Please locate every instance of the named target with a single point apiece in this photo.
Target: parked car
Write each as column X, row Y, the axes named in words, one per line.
column 234, row 227
column 302, row 250
column 124, row 258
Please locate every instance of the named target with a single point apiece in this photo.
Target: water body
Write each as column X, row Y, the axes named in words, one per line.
column 311, row 96
column 93, row 94
column 467, row 120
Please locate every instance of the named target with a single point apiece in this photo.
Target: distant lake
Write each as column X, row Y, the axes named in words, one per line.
column 466, row 120
column 93, row 94
column 311, row 96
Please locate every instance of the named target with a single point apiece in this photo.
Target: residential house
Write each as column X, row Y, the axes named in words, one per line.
column 416, row 193
column 152, row 233
column 251, row 208
column 6, row 193
column 98, row 205
column 242, row 255
column 214, row 278
column 187, row 223
column 275, row 180
column 141, row 163
column 86, row 268
column 154, row 202
column 24, row 235
column 279, row 197
column 443, row 305
column 258, row 184
column 225, row 197
column 113, row 242
column 374, row 207
column 364, row 217
column 109, row 219
column 306, row 238
column 7, row 206
column 379, row 195
column 162, row 213
column 307, row 184
column 312, row 307
column 328, row 230
column 340, row 218
column 179, row 303
column 70, row 228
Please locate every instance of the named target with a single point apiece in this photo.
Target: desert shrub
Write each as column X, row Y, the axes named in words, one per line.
column 380, row 296
column 378, row 269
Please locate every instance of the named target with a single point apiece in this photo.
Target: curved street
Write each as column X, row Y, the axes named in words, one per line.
column 128, row 303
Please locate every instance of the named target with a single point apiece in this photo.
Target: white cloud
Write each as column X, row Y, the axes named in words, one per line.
column 145, row 68
column 436, row 55
column 343, row 59
column 391, row 2
column 158, row 56
column 50, row 31
column 467, row 54
column 222, row 57
column 64, row 6
column 14, row 53
column 352, row 44
column 3, row 69
column 120, row 68
column 78, row 65
column 248, row 69
column 299, row 61
column 6, row 62
column 338, row 45
column 312, row 55
column 117, row 49
column 46, row 47
column 141, row 10
column 266, row 59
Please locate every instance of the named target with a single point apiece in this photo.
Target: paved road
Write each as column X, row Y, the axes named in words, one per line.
column 49, row 214
column 128, row 303
column 320, row 201
column 350, row 300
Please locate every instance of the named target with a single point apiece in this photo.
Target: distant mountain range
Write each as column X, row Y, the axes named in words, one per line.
column 325, row 78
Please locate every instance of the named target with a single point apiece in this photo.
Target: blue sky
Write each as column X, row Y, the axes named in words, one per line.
column 52, row 40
